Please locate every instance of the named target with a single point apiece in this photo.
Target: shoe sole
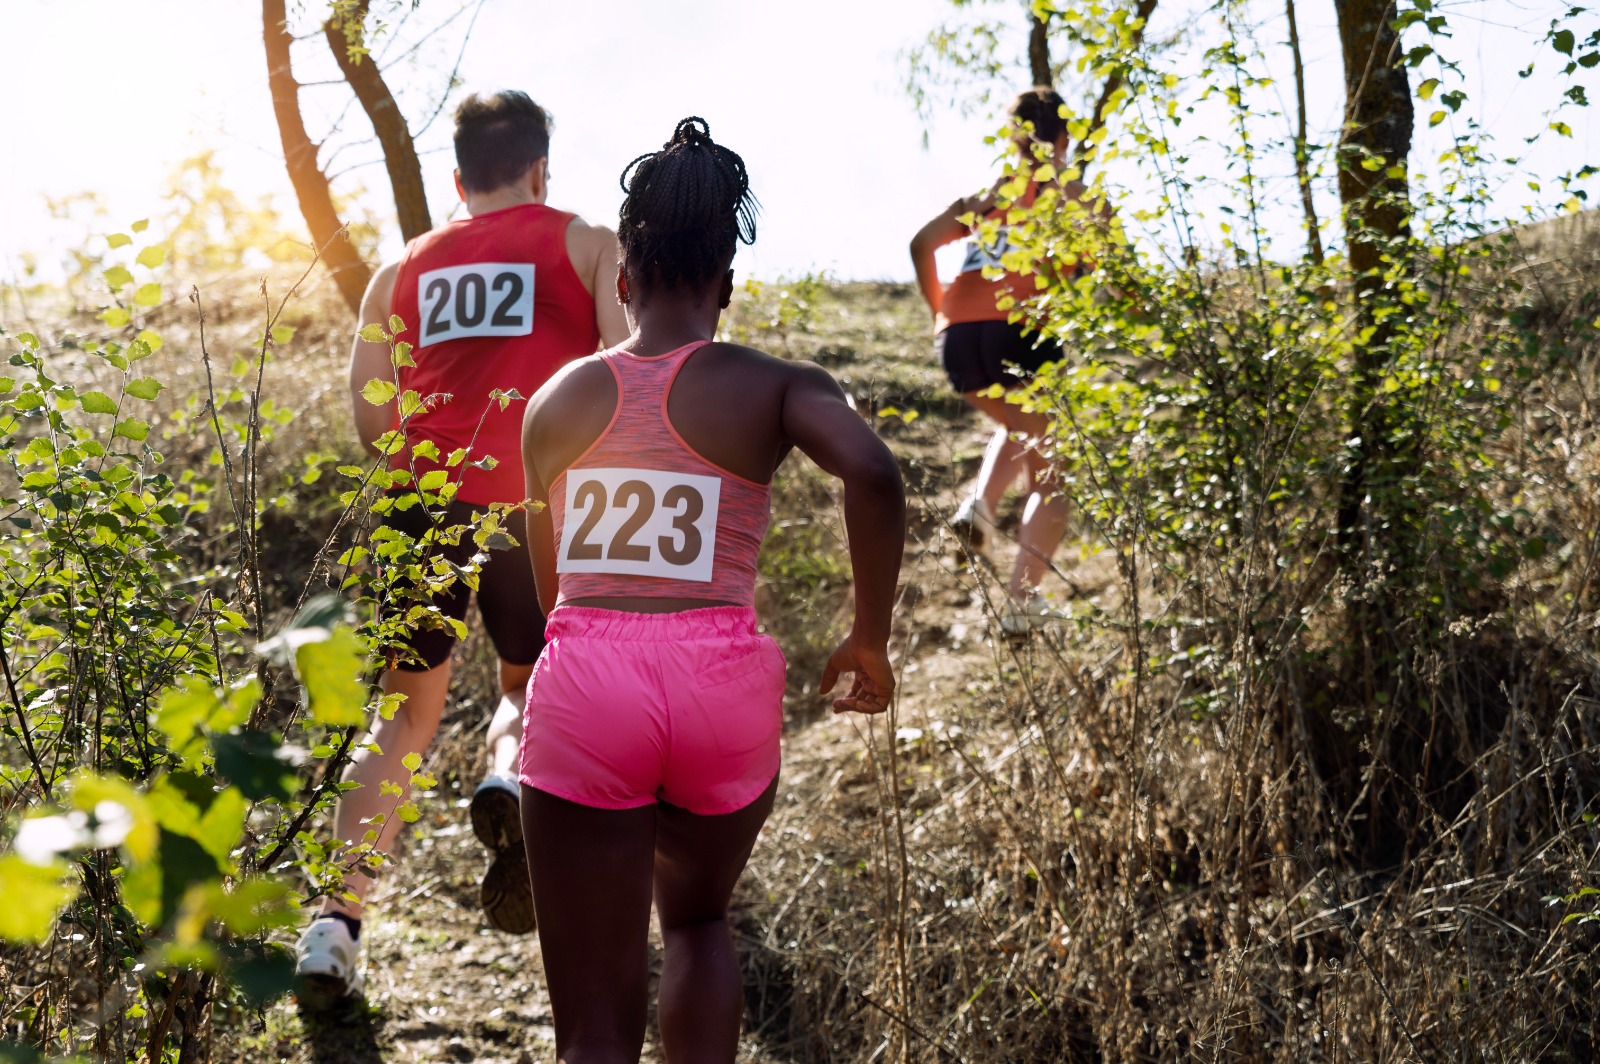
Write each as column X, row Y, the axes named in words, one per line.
column 321, row 993
column 497, row 819
column 506, row 893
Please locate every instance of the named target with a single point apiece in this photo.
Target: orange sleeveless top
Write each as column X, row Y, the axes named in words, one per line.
column 971, row 296
column 641, row 514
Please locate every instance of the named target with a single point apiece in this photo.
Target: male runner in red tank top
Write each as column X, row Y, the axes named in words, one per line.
column 500, row 299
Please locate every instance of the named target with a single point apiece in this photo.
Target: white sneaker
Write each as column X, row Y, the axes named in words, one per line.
column 327, row 965
column 974, row 527
column 1020, row 618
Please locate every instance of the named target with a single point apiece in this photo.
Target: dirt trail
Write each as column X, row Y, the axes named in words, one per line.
column 441, row 985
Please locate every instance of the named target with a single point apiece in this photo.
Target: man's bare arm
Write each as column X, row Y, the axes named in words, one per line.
column 608, row 313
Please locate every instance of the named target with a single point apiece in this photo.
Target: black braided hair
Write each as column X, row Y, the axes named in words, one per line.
column 687, row 206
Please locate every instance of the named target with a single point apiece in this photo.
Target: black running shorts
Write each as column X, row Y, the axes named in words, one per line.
column 508, row 600
column 979, row 354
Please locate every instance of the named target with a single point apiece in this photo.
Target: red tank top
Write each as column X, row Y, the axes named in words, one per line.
column 489, row 302
column 649, row 517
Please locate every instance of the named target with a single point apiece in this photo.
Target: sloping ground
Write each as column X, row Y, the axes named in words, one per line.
column 441, row 986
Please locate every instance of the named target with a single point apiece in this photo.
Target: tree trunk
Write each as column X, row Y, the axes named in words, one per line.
column 1377, row 129
column 1302, row 164
column 399, row 153
column 350, row 271
column 1039, row 54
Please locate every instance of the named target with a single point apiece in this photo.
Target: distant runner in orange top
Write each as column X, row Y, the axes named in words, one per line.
column 500, row 299
column 979, row 349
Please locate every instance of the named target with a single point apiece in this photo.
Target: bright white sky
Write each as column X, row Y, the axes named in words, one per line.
column 109, row 94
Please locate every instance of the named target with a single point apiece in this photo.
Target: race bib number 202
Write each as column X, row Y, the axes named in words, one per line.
column 639, row 522
column 479, row 299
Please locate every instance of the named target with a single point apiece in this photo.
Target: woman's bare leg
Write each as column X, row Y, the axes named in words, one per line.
column 1044, row 518
column 698, row 861
column 591, row 871
column 1003, row 464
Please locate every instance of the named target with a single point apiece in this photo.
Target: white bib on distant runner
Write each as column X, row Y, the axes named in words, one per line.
column 980, row 254
column 639, row 522
column 478, row 299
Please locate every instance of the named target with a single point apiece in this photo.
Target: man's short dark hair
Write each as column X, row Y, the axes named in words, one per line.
column 499, row 136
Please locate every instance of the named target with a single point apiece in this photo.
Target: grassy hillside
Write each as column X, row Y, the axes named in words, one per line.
column 1080, row 846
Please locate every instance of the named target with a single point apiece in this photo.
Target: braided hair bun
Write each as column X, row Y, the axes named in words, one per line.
column 687, row 207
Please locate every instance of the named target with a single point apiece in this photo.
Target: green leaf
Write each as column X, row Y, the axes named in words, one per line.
column 152, row 256
column 1435, row 118
column 434, row 479
column 114, row 317
column 330, row 669
column 397, row 324
column 117, row 276
column 1562, row 41
column 131, row 428
column 377, row 392
column 372, row 333
column 255, row 905
column 254, row 761
column 33, row 895
column 182, row 711
column 97, row 403
column 143, row 388
column 118, row 240
column 147, row 295
column 282, row 334
column 141, row 225
column 222, row 827
column 1425, row 90
column 130, row 823
column 412, row 761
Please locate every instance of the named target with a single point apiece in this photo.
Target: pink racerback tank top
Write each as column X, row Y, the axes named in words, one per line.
column 641, row 514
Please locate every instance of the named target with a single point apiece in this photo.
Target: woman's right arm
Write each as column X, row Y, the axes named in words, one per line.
column 944, row 228
column 819, row 420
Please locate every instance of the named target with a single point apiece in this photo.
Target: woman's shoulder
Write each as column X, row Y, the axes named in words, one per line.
column 570, row 383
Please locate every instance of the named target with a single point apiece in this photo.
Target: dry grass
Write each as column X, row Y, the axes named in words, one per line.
column 1043, row 854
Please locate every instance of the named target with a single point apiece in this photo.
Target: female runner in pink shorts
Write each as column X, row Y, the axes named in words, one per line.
column 650, row 749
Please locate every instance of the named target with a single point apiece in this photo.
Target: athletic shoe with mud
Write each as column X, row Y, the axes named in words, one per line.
column 506, row 894
column 974, row 527
column 327, row 967
column 1020, row 618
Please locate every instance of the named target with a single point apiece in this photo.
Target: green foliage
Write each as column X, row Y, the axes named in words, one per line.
column 782, row 308
column 155, row 734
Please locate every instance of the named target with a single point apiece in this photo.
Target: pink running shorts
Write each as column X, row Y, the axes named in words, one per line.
column 628, row 709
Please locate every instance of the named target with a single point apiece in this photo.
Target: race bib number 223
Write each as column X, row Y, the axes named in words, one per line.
column 639, row 522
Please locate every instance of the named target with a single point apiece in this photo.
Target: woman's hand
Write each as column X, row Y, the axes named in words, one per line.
column 873, row 682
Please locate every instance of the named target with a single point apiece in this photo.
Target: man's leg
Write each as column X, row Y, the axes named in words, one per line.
column 505, row 729
column 410, row 731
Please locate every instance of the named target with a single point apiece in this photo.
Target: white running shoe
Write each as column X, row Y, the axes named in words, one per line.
column 327, row 965
column 1020, row 618
column 974, row 527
